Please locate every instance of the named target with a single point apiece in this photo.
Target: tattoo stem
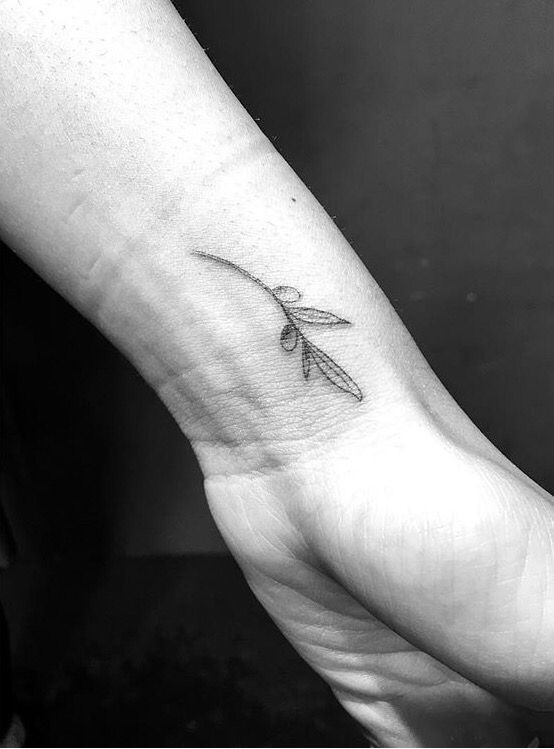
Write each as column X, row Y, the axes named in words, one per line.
column 253, row 278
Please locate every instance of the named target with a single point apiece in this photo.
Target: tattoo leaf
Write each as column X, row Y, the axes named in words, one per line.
column 316, row 316
column 289, row 337
column 306, row 359
column 287, row 293
column 334, row 373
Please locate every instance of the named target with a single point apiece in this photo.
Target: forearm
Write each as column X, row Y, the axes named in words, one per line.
column 122, row 153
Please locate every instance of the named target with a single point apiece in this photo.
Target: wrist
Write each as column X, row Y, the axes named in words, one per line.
column 208, row 339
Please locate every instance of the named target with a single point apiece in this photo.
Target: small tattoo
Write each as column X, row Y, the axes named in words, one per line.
column 292, row 335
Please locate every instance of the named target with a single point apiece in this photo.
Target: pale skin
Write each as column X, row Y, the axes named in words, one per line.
column 405, row 558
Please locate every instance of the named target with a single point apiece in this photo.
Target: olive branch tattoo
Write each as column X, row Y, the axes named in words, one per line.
column 287, row 298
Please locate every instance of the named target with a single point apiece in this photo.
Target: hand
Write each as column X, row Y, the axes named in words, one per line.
column 408, row 574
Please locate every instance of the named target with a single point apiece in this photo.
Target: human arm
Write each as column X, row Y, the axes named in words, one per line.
column 172, row 165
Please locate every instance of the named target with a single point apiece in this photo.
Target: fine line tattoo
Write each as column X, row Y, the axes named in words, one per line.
column 292, row 335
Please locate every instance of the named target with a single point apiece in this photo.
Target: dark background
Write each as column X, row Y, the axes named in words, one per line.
column 427, row 130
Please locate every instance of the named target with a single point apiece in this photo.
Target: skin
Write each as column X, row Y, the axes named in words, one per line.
column 405, row 558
